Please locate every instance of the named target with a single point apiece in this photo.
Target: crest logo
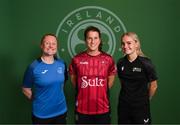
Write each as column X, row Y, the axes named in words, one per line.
column 71, row 30
column 60, row 70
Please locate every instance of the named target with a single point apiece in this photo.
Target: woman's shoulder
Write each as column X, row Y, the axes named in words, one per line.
column 35, row 63
column 106, row 56
column 121, row 60
column 59, row 60
column 80, row 55
column 145, row 60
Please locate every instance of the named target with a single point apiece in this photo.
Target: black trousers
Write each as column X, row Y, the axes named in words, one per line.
column 92, row 119
column 133, row 114
column 60, row 119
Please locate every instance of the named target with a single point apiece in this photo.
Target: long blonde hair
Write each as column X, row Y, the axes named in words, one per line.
column 135, row 37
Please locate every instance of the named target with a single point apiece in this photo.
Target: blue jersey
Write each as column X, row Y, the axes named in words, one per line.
column 48, row 82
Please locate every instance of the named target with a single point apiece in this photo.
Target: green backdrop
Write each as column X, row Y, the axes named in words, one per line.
column 23, row 22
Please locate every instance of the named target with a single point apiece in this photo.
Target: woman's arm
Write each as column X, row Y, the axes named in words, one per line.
column 152, row 88
column 27, row 92
column 110, row 81
column 73, row 80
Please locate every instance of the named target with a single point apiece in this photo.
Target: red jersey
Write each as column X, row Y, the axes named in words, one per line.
column 92, row 82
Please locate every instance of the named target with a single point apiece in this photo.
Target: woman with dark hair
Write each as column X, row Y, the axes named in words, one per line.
column 92, row 74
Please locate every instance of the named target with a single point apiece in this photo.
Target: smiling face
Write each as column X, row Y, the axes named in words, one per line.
column 93, row 41
column 128, row 45
column 49, row 45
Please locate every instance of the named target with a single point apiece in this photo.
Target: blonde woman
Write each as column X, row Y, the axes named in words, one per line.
column 138, row 82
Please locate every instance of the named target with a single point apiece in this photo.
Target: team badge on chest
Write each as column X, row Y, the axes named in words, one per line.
column 59, row 70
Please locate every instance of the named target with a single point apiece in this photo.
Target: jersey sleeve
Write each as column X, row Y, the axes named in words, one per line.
column 28, row 77
column 72, row 67
column 65, row 68
column 119, row 64
column 150, row 70
column 112, row 68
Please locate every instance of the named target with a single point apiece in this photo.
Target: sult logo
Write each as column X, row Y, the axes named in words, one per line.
column 71, row 30
column 91, row 82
